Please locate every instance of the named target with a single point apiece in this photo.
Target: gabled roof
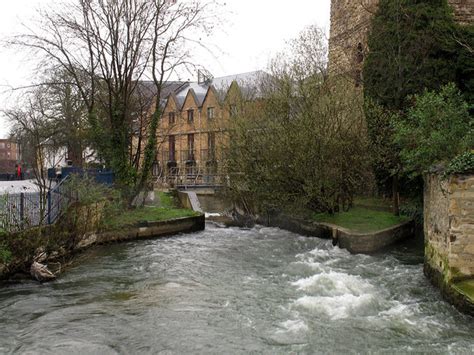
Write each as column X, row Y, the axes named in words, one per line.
column 170, row 97
column 213, row 89
column 248, row 84
column 147, row 90
column 199, row 92
column 249, row 79
column 191, row 93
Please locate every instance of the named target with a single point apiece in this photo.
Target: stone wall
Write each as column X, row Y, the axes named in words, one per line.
column 463, row 10
column 449, row 227
column 350, row 23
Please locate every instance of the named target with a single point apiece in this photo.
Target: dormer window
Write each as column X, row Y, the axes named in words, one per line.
column 171, row 118
column 210, row 113
column 190, row 116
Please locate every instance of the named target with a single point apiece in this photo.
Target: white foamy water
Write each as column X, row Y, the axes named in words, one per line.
column 337, row 307
column 331, row 292
column 334, row 284
column 233, row 291
column 295, row 326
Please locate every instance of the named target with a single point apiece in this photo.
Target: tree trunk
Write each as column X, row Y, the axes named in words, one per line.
column 395, row 195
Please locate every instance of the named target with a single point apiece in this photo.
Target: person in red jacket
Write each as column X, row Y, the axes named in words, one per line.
column 18, row 172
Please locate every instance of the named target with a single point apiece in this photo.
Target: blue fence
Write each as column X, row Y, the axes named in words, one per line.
column 105, row 177
column 24, row 210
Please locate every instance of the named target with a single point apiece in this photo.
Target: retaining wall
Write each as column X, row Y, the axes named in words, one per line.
column 346, row 239
column 145, row 230
column 449, row 233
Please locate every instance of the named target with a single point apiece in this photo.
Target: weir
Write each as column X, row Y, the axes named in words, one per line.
column 208, row 200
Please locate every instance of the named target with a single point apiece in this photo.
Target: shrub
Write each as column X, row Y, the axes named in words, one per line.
column 436, row 129
column 462, row 164
column 5, row 252
column 413, row 209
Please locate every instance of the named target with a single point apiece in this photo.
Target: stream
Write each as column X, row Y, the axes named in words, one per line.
column 227, row 291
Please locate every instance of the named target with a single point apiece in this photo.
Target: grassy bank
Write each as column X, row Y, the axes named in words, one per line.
column 167, row 207
column 361, row 219
column 146, row 214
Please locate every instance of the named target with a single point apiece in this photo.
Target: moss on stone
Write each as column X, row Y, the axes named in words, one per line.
column 465, row 287
column 433, row 257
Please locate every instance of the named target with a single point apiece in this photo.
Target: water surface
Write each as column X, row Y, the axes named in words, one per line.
column 226, row 291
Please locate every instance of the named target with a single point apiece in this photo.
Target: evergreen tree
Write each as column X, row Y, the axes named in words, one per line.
column 416, row 45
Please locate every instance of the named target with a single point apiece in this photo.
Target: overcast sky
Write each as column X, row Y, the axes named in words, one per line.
column 254, row 30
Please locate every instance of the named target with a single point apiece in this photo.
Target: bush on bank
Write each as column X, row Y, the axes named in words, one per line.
column 95, row 208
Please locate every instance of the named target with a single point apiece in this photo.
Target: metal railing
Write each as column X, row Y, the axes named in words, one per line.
column 208, row 155
column 168, row 155
column 58, row 198
column 191, row 176
column 188, row 155
column 19, row 211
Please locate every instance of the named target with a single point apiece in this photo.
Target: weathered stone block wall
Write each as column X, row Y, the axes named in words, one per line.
column 449, row 226
column 436, row 223
column 350, row 24
column 463, row 10
column 461, row 219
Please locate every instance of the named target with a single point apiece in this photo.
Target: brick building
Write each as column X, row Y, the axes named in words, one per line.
column 9, row 156
column 192, row 134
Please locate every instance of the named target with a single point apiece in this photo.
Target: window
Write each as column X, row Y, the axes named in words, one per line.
column 171, row 118
column 2, row 145
column 210, row 113
column 172, row 147
column 233, row 110
column 211, row 145
column 190, row 155
column 190, row 116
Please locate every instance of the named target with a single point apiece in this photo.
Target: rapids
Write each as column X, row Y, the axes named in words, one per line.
column 226, row 291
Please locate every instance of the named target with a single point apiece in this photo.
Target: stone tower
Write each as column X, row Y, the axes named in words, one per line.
column 350, row 22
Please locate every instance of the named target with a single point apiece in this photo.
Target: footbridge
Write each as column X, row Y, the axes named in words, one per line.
column 191, row 179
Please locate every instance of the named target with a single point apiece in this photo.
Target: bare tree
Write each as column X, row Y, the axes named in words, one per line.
column 107, row 47
column 35, row 131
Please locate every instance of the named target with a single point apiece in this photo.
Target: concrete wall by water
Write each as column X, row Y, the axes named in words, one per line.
column 147, row 230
